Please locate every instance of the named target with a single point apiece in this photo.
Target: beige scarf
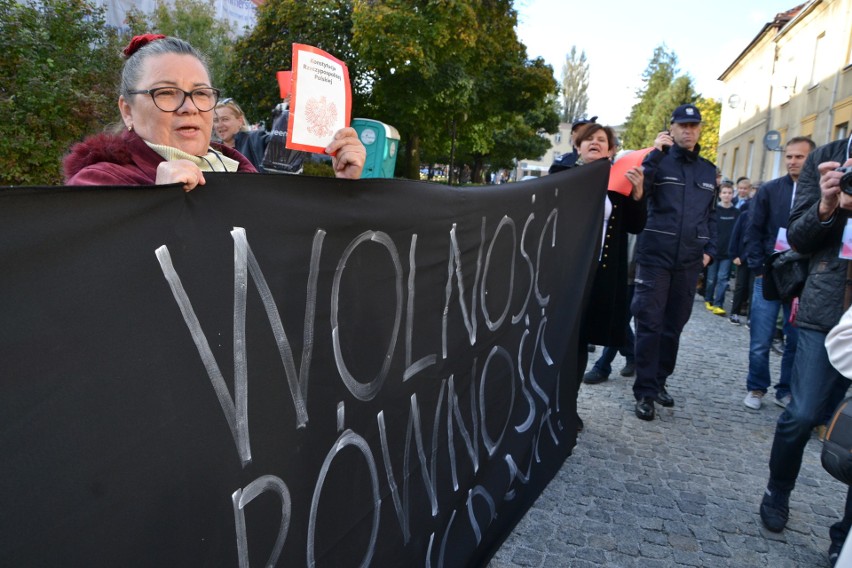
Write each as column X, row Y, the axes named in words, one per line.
column 213, row 161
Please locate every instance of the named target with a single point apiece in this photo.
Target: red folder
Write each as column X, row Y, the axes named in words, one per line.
column 617, row 181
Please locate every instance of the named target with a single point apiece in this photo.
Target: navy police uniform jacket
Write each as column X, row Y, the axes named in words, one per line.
column 680, row 187
column 564, row 162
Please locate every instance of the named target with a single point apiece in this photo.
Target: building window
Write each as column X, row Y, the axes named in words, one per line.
column 808, row 124
column 749, row 158
column 734, row 173
column 787, row 80
column 819, row 63
column 849, row 53
column 776, row 164
column 841, row 131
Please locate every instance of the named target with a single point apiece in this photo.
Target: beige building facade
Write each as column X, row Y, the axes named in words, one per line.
column 793, row 79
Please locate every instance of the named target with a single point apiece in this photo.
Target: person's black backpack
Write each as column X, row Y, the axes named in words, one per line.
column 837, row 446
column 278, row 158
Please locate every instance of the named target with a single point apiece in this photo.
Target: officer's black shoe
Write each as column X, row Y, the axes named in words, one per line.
column 664, row 398
column 645, row 408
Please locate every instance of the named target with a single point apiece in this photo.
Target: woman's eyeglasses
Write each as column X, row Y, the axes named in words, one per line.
column 170, row 99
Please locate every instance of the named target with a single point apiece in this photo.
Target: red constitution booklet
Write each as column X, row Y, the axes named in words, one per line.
column 320, row 99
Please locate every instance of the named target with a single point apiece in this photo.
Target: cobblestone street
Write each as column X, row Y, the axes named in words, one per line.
column 684, row 489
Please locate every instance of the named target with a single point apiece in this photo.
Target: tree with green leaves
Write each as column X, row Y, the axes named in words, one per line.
column 258, row 55
column 194, row 21
column 711, row 112
column 451, row 71
column 664, row 90
column 650, row 115
column 575, row 85
column 680, row 91
column 516, row 127
column 58, row 74
column 418, row 56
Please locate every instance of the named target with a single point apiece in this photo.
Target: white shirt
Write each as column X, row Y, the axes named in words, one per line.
column 838, row 344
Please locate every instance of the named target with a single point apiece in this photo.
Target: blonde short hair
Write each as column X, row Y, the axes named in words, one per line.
column 232, row 104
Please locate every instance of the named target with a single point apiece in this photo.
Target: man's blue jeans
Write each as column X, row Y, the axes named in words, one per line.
column 604, row 363
column 762, row 318
column 717, row 281
column 817, row 388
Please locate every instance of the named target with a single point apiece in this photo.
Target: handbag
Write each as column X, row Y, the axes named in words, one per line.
column 784, row 275
column 837, row 447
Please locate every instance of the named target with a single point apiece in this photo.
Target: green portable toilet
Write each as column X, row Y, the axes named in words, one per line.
column 382, row 143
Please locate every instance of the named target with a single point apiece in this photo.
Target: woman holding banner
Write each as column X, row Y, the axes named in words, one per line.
column 607, row 314
column 166, row 102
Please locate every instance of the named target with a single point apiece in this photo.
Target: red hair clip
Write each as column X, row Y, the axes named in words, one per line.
column 140, row 41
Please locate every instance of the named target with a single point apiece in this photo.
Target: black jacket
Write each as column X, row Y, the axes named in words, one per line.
column 737, row 246
column 252, row 145
column 821, row 302
column 726, row 220
column 680, row 187
column 565, row 161
column 769, row 210
column 607, row 313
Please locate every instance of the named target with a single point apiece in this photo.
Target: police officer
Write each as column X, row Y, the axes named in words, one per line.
column 678, row 241
column 568, row 159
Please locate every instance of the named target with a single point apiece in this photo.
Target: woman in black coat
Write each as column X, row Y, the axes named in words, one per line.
column 607, row 313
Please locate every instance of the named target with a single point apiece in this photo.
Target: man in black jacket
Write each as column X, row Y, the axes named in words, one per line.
column 766, row 232
column 817, row 221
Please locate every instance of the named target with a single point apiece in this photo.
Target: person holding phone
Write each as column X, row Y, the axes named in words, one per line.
column 679, row 240
column 819, row 217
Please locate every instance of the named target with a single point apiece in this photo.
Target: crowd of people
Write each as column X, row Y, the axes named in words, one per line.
column 680, row 220
column 699, row 222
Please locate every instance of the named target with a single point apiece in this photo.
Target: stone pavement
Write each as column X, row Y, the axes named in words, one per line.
column 684, row 489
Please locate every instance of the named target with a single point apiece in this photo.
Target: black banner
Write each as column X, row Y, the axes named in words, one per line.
column 286, row 370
